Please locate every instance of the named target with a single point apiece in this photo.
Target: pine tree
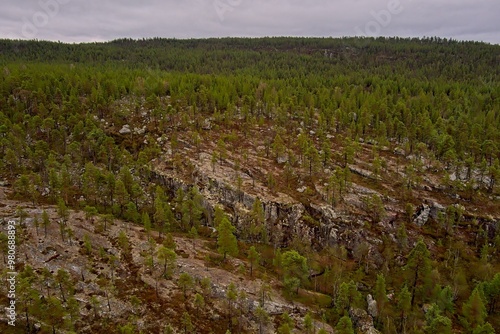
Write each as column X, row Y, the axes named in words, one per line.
column 107, row 219
column 262, row 317
column 375, row 207
column 206, row 285
column 146, row 222
column 437, row 323
column 63, row 280
column 257, row 217
column 124, row 242
column 193, row 235
column 191, row 209
column 313, row 157
column 121, row 195
column 492, row 293
column 167, row 257
column 131, row 212
column 344, row 326
column 187, row 324
column 402, row 237
column 485, row 328
column 418, row 267
column 169, row 241
column 199, row 303
column 253, row 257
column 62, row 210
column 309, row 323
column 278, row 147
column 226, row 240
column 231, row 295
column 295, row 267
column 474, row 309
column 219, row 215
column 55, row 313
column 445, row 300
column 284, row 329
column 287, row 324
column 404, row 306
column 185, row 282
column 381, row 295
column 160, row 214
column 326, row 153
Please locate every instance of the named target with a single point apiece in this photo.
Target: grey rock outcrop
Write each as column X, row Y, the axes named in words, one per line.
column 316, row 224
column 125, row 130
column 360, row 171
column 362, row 321
column 426, row 211
column 282, row 159
column 207, row 124
column 422, row 215
column 435, row 209
column 372, row 306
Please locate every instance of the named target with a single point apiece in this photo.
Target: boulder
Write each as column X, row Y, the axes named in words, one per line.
column 326, row 212
column 282, row 159
column 422, row 215
column 302, row 189
column 435, row 209
column 125, row 130
column 207, row 124
column 362, row 321
column 140, row 131
column 372, row 306
column 361, row 171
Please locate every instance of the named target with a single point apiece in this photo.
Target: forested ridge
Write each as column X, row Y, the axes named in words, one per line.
column 400, row 137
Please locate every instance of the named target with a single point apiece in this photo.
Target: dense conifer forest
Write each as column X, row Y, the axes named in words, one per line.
column 388, row 149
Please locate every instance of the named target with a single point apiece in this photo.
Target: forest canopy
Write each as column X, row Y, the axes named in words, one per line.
column 87, row 126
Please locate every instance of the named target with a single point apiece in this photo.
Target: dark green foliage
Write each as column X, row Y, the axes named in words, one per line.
column 474, row 309
column 348, row 297
column 253, row 257
column 437, row 323
column 418, row 269
column 167, row 258
column 312, row 100
column 185, row 282
column 295, row 269
column 226, row 240
column 484, row 329
column 344, row 326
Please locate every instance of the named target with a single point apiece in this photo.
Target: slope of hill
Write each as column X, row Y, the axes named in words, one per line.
column 324, row 178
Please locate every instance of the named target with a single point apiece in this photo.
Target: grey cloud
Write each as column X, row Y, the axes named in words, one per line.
column 93, row 20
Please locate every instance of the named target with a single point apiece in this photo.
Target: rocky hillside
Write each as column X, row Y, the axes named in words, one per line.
column 109, row 284
column 251, row 186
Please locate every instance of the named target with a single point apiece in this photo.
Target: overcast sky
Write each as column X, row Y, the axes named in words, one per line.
column 102, row 20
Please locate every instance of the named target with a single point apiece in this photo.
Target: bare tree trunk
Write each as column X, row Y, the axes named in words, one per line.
column 62, row 292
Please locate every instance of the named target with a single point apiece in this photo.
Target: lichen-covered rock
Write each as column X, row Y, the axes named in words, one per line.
column 372, row 306
column 327, row 213
column 435, row 209
column 362, row 321
column 282, row 159
column 360, row 171
column 317, row 224
column 125, row 130
column 422, row 215
column 207, row 124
